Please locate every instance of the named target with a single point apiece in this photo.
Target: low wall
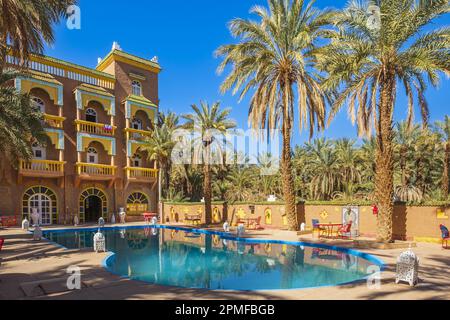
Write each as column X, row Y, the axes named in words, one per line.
column 419, row 223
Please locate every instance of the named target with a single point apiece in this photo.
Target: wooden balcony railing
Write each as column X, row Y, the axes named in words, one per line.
column 138, row 135
column 54, row 121
column 95, row 169
column 42, row 167
column 141, row 173
column 95, row 128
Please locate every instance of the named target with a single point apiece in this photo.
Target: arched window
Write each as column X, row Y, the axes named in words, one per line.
column 137, row 203
column 92, row 155
column 38, row 103
column 136, row 88
column 42, row 200
column 91, row 115
column 39, row 152
column 137, row 161
column 136, row 124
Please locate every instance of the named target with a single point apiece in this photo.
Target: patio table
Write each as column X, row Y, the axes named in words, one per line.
column 329, row 227
column 249, row 222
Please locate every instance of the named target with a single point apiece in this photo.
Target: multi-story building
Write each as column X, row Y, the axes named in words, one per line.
column 96, row 120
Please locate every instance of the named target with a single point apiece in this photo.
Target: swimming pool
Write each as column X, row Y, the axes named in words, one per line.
column 217, row 261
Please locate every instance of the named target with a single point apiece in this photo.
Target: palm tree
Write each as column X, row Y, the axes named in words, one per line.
column 27, row 25
column 159, row 147
column 443, row 127
column 348, row 160
column 369, row 62
column 205, row 122
column 21, row 123
column 274, row 59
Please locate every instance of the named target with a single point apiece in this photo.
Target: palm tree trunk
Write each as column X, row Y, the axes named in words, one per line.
column 445, row 178
column 207, row 188
column 288, row 178
column 384, row 177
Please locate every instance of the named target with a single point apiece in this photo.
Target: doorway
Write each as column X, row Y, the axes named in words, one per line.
column 92, row 209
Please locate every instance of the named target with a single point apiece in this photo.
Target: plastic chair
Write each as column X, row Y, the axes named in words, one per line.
column 345, row 230
column 316, row 226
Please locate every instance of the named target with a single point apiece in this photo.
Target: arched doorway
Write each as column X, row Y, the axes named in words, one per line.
column 93, row 205
column 43, row 200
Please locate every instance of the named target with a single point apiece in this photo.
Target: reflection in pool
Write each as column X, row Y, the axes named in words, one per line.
column 196, row 260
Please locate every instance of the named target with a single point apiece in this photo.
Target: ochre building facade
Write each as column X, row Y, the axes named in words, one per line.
column 96, row 121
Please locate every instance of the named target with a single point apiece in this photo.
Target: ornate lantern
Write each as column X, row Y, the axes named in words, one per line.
column 101, row 222
column 408, row 268
column 25, row 224
column 154, row 221
column 122, row 216
column 35, row 217
column 37, row 234
column 99, row 242
column 226, row 227
column 76, row 221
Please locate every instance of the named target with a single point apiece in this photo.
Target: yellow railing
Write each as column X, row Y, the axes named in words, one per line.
column 95, row 169
column 46, row 166
column 138, row 135
column 95, row 128
column 141, row 173
column 54, row 121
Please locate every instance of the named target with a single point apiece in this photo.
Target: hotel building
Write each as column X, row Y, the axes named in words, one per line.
column 96, row 120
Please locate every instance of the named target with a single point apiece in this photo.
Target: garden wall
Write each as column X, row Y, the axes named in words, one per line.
column 419, row 223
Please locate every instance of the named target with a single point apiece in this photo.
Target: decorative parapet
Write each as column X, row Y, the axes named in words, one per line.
column 46, row 82
column 86, row 93
column 135, row 103
column 84, row 139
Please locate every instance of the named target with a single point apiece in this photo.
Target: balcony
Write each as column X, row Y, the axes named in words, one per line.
column 54, row 121
column 95, row 172
column 137, row 135
column 143, row 175
column 95, row 128
column 41, row 168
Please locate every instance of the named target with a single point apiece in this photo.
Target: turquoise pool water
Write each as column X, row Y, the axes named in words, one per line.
column 176, row 257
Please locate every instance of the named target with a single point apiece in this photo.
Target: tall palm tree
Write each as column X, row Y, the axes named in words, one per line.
column 21, row 122
column 348, row 160
column 274, row 59
column 369, row 62
column 205, row 122
column 159, row 147
column 27, row 25
column 444, row 128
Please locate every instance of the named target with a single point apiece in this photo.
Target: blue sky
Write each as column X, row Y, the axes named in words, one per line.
column 184, row 35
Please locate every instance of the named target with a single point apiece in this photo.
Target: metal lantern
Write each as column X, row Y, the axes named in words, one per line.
column 25, row 224
column 76, row 221
column 113, row 219
column 408, row 268
column 122, row 215
column 226, row 227
column 154, row 221
column 99, row 242
column 101, row 222
column 37, row 234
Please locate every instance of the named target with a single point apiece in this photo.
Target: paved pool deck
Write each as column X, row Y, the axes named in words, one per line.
column 37, row 271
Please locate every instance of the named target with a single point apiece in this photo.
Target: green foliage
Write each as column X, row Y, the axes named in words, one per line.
column 21, row 123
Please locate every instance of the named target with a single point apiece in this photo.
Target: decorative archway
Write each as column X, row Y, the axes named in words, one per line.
column 93, row 192
column 137, row 203
column 44, row 200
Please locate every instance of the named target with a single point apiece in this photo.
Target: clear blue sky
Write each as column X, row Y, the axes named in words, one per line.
column 184, row 35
